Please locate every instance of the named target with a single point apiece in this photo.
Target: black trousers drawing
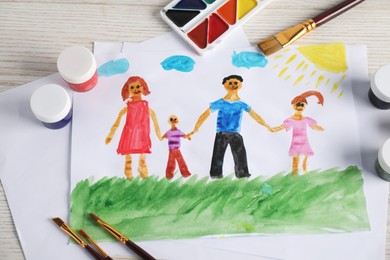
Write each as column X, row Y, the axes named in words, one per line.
column 222, row 140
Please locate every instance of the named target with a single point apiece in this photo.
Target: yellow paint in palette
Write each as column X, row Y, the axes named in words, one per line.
column 244, row 7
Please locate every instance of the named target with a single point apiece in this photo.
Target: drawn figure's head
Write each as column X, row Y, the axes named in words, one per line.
column 232, row 82
column 135, row 86
column 299, row 103
column 173, row 120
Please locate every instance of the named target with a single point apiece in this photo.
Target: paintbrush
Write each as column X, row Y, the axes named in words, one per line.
column 78, row 239
column 97, row 247
column 123, row 239
column 285, row 38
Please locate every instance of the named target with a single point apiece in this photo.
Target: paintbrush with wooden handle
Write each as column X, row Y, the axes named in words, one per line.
column 285, row 38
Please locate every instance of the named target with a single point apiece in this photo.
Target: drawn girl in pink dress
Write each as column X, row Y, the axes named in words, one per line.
column 298, row 123
column 135, row 138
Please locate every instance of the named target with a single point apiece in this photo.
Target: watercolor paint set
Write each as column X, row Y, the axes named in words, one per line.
column 204, row 23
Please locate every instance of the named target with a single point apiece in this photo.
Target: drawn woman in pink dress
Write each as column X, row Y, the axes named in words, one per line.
column 299, row 123
column 135, row 138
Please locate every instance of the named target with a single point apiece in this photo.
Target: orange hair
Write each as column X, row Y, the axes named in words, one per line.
column 125, row 88
column 302, row 97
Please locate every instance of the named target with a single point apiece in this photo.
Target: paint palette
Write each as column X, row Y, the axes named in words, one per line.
column 204, row 23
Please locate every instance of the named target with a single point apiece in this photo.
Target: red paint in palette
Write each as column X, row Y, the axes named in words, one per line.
column 208, row 31
column 199, row 34
column 217, row 27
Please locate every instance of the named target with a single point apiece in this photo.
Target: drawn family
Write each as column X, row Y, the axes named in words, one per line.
column 135, row 137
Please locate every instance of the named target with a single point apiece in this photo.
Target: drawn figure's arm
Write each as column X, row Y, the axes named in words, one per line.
column 163, row 137
column 115, row 125
column 317, row 127
column 201, row 120
column 155, row 123
column 277, row 128
column 259, row 119
column 187, row 136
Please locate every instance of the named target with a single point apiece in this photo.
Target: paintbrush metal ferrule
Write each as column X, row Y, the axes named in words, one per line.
column 69, row 231
column 97, row 247
column 285, row 38
column 115, row 233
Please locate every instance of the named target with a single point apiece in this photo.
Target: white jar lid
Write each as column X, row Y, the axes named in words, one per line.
column 50, row 103
column 384, row 156
column 380, row 83
column 76, row 64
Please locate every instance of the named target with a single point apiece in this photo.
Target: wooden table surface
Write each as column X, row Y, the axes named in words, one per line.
column 33, row 33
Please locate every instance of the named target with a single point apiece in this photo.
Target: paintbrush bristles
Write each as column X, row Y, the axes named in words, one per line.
column 285, row 38
column 270, row 45
column 58, row 221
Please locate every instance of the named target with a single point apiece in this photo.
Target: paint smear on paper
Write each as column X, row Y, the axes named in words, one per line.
column 113, row 67
column 281, row 204
column 178, row 62
column 249, row 59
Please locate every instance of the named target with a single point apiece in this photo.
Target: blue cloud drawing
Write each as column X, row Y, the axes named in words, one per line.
column 249, row 59
column 113, row 67
column 179, row 63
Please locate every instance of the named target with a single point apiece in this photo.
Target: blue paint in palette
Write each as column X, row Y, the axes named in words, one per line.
column 113, row 67
column 249, row 59
column 178, row 62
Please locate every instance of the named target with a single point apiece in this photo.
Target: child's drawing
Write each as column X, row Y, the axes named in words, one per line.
column 300, row 144
column 230, row 109
column 173, row 135
column 135, row 138
column 257, row 194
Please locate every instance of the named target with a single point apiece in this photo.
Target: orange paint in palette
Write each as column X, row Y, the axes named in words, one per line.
column 204, row 23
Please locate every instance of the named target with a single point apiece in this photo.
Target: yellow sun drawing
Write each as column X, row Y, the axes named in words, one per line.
column 321, row 66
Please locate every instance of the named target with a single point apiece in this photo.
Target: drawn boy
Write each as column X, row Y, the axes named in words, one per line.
column 230, row 109
column 173, row 135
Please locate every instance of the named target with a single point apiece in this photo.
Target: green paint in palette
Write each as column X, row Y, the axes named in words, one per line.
column 204, row 23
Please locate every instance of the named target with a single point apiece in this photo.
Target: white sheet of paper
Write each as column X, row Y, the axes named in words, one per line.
column 34, row 171
column 326, row 246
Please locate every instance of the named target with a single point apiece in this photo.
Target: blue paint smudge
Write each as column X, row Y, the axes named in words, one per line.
column 266, row 189
column 113, row 67
column 179, row 63
column 249, row 59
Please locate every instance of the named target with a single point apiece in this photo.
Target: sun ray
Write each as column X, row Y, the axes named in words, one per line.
column 299, row 79
column 327, row 82
column 300, row 65
column 291, row 59
column 319, row 80
column 335, row 87
column 282, row 72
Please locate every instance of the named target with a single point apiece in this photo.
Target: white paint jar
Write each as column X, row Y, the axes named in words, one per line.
column 52, row 106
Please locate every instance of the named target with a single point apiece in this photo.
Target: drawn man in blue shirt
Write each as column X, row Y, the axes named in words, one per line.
column 230, row 109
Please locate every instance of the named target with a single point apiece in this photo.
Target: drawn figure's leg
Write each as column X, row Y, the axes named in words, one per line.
column 239, row 155
column 295, row 164
column 304, row 166
column 171, row 165
column 128, row 168
column 220, row 145
column 142, row 167
column 182, row 164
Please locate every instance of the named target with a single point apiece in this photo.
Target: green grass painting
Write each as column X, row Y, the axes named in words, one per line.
column 327, row 201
